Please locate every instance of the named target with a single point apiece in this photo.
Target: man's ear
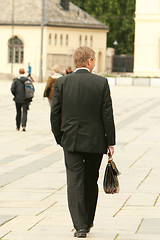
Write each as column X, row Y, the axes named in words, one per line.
column 89, row 61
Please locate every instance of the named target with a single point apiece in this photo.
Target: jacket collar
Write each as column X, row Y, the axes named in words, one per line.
column 55, row 76
column 82, row 70
column 21, row 76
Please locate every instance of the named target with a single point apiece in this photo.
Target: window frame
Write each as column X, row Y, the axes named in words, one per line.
column 15, row 50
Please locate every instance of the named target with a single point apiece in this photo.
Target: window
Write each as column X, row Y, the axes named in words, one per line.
column 80, row 40
column 50, row 39
column 15, row 50
column 61, row 40
column 67, row 40
column 55, row 39
column 85, row 40
column 91, row 41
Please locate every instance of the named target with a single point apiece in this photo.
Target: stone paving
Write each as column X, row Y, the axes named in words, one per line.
column 33, row 203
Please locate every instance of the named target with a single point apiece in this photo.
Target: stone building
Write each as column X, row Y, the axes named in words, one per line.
column 66, row 27
column 147, row 38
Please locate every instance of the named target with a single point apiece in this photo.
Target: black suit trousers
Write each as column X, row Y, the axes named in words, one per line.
column 82, row 175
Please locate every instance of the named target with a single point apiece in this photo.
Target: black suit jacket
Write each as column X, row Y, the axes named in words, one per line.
column 81, row 113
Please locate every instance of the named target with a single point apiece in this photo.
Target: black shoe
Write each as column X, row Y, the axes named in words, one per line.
column 89, row 228
column 80, row 233
column 24, row 129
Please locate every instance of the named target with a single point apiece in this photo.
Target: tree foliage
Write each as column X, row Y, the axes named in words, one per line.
column 118, row 15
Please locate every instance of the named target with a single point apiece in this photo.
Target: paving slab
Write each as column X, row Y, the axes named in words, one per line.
column 150, row 226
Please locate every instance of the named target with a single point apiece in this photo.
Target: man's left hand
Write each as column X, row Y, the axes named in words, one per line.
column 111, row 150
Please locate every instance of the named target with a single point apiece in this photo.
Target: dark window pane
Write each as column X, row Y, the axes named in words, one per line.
column 10, row 54
column 55, row 39
column 50, row 39
column 16, row 55
column 61, row 40
column 21, row 54
column 85, row 40
column 80, row 40
column 67, row 40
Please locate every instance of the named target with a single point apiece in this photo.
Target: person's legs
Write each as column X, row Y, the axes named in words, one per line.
column 29, row 75
column 75, row 187
column 18, row 114
column 24, row 117
column 92, row 165
column 31, row 78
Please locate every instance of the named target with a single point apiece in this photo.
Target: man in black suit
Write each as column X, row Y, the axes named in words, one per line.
column 83, row 124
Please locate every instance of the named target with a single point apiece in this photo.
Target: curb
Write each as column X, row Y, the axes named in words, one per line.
column 130, row 81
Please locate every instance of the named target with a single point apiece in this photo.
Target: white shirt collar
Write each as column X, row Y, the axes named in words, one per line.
column 81, row 68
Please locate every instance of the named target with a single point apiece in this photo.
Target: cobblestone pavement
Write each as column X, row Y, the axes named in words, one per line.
column 33, row 203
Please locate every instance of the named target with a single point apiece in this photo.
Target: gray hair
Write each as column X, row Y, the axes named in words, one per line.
column 81, row 56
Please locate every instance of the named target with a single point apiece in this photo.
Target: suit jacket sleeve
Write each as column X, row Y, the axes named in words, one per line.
column 56, row 113
column 107, row 116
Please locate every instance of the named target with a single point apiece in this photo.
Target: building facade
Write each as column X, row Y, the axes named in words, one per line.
column 65, row 27
column 147, row 38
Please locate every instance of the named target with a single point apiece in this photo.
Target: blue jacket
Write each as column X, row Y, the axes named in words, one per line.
column 29, row 69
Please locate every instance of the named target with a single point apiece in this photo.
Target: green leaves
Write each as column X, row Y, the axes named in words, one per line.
column 119, row 16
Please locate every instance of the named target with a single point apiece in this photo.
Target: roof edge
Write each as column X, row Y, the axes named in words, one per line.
column 59, row 25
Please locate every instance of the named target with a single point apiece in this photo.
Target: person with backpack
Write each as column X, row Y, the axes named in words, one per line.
column 23, row 90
